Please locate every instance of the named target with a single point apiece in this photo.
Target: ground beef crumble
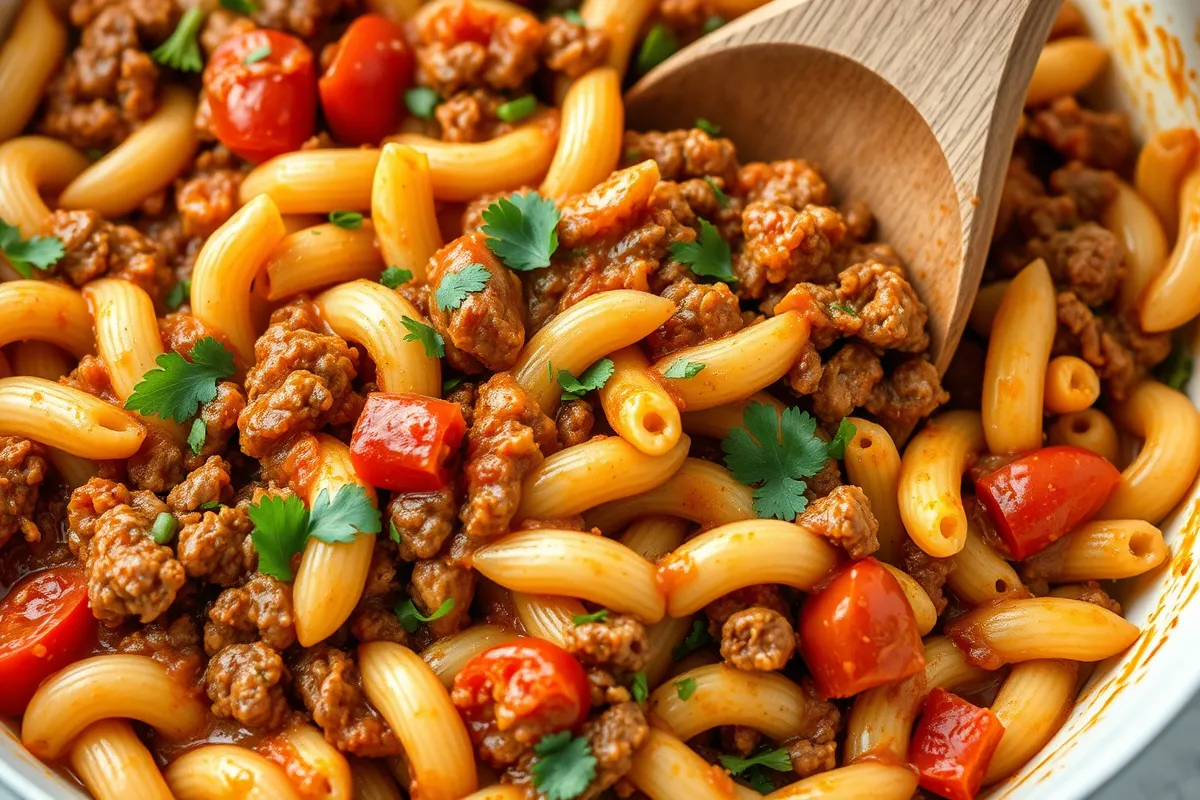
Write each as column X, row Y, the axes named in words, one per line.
column 328, row 682
column 844, row 517
column 245, row 683
column 22, row 469
column 259, row 609
column 757, row 638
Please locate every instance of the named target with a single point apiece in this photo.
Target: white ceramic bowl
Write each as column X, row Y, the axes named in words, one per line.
column 1129, row 700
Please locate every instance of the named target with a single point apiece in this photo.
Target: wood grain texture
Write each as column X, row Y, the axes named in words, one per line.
column 909, row 105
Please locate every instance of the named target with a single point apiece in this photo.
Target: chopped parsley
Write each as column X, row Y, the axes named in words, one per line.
column 758, row 781
column 164, row 528
column 845, row 309
column 682, row 368
column 239, row 6
column 841, row 437
column 257, row 54
column 517, row 110
column 722, row 199
column 197, row 435
column 712, row 23
column 771, row 759
column 659, row 45
column 639, row 688
column 411, row 619
column 452, row 382
column 211, row 505
column 282, row 525
column 698, row 638
column 25, row 255
column 1176, row 370
column 422, row 101
column 181, row 50
column 393, row 534
column 455, row 286
column 685, row 688
column 593, row 378
column 180, row 293
column 431, row 340
column 178, row 388
column 520, row 230
column 708, row 127
column 565, row 766
column 709, row 255
column 775, row 454
column 350, row 220
column 392, row 277
column 573, row 16
column 595, row 616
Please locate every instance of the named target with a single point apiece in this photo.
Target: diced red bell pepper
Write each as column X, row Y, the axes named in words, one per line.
column 1039, row 498
column 403, row 441
column 858, row 631
column 953, row 745
column 362, row 90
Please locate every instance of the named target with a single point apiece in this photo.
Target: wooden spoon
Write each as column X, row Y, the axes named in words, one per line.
column 908, row 105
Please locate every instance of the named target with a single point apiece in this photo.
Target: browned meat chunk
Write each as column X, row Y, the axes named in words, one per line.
column 892, row 315
column 509, row 438
column 683, row 154
column 176, row 646
column 847, row 382
column 260, row 609
column 88, row 503
column 22, row 469
column 422, row 521
column 207, row 197
column 434, row 581
column 1088, row 260
column 330, row 686
column 464, row 395
column 483, row 329
column 703, row 312
column 757, row 639
column 784, row 245
column 575, row 421
column 829, row 319
column 245, row 683
column 158, row 465
column 617, row 643
column 1098, row 139
column 795, row 183
column 573, row 49
column 205, row 485
column 910, row 393
column 759, row 596
column 805, row 375
column 470, row 116
column 302, row 380
column 1115, row 345
column 844, row 517
column 217, row 546
column 96, row 247
column 815, row 749
column 1092, row 190
column 302, row 17
column 926, row 570
column 464, row 46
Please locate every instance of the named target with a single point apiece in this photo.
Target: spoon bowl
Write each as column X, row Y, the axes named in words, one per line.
column 909, row 106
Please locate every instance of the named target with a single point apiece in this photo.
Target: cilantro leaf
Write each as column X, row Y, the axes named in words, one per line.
column 452, row 382
column 709, row 255
column 422, row 101
column 659, row 45
column 350, row 512
column 392, row 277
column 759, row 454
column 180, row 293
column 573, row 16
column 455, row 286
column 771, row 759
column 411, row 619
column 435, row 345
column 164, row 528
column 211, row 505
column 595, row 616
column 280, row 531
column 256, row 55
column 516, row 110
column 393, row 534
column 759, row 782
column 39, row 252
column 708, row 127
column 685, row 688
column 181, row 50
column 594, row 377
column 845, row 309
column 682, row 368
column 350, row 220
column 521, row 230
column 841, row 438
column 566, row 766
column 712, row 23
column 197, row 435
column 179, row 387
column 1176, row 370
column 639, row 688
column 239, row 6
column 722, row 199
column 698, row 638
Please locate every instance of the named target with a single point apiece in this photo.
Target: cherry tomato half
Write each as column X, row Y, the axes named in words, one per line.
column 362, row 90
column 858, row 631
column 45, row 624
column 527, row 680
column 402, row 441
column 268, row 106
column 1041, row 497
column 953, row 745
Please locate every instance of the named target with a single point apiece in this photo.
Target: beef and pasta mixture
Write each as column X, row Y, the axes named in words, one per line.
column 380, row 419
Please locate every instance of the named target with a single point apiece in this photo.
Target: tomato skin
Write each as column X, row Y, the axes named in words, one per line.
column 263, row 109
column 1039, row 498
column 362, row 90
column 953, row 745
column 45, row 624
column 402, row 441
column 858, row 631
column 528, row 681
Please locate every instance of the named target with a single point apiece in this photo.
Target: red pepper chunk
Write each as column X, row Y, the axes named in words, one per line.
column 953, row 745
column 402, row 441
column 362, row 90
column 1039, row 498
column 859, row 631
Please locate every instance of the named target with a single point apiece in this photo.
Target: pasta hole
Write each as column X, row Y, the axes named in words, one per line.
column 654, row 423
column 1141, row 545
column 864, row 443
column 1001, row 586
column 947, row 527
column 1076, row 384
column 1080, row 425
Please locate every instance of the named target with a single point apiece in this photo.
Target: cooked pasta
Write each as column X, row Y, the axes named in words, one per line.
column 219, row 771
column 699, row 491
column 1164, row 161
column 930, row 481
column 113, row 763
column 318, row 256
column 446, row 657
column 873, row 463
column 1170, row 298
column 67, row 419
column 314, row 181
column 402, row 209
column 1090, row 429
column 589, row 145
column 1065, row 67
column 45, row 312
column 30, row 165
column 28, row 59
column 637, row 407
column 546, row 616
